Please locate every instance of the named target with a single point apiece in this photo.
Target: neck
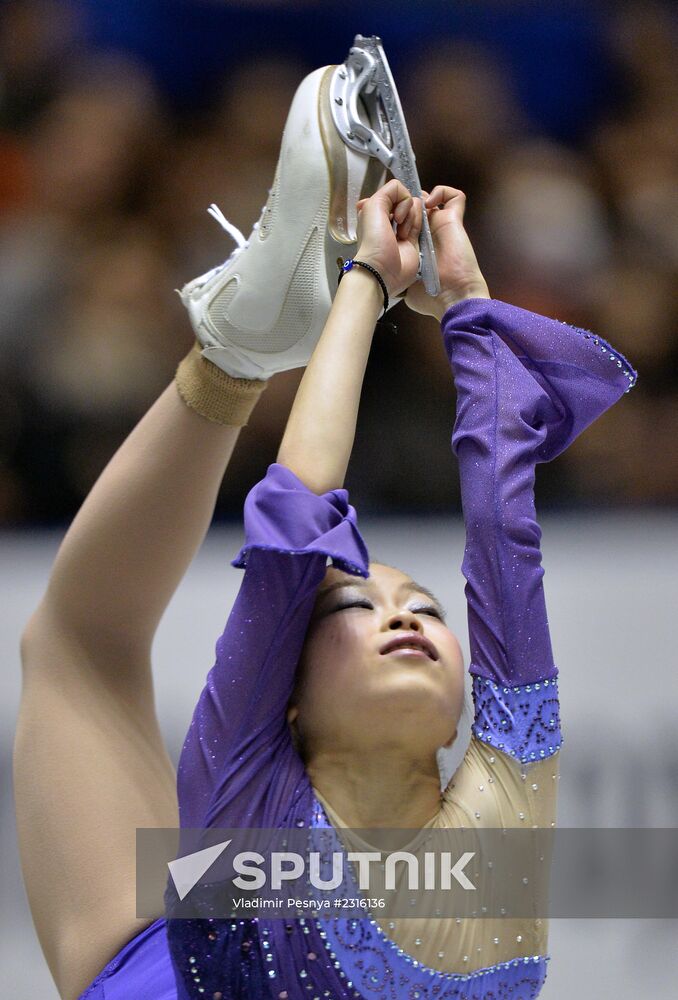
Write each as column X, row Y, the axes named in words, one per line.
column 378, row 788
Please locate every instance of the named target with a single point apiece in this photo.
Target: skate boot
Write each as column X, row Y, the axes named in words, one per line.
column 262, row 311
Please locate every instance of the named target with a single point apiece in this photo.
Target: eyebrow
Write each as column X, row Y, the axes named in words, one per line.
column 408, row 585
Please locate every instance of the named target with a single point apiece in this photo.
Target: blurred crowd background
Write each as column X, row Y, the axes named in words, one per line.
column 120, row 122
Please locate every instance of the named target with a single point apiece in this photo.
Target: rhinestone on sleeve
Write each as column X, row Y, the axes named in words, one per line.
column 522, row 720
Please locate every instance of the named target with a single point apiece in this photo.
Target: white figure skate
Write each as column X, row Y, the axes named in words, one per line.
column 262, row 311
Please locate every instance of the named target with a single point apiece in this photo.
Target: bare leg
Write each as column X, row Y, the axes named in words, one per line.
column 139, row 528
column 90, row 765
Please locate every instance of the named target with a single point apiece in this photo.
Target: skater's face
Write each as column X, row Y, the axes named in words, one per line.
column 355, row 689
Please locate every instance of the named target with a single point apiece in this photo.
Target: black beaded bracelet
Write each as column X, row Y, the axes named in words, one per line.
column 347, row 265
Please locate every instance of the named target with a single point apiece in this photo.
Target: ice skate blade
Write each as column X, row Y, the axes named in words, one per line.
column 368, row 116
column 354, row 174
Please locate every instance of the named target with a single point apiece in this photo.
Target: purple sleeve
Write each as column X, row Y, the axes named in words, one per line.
column 238, row 766
column 527, row 386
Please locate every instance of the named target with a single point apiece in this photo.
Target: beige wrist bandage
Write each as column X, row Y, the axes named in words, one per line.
column 214, row 393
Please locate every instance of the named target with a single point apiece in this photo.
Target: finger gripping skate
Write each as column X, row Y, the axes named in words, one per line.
column 369, row 118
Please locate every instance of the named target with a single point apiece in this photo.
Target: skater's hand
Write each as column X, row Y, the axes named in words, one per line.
column 460, row 275
column 394, row 254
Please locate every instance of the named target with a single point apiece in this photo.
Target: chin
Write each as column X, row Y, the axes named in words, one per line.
column 416, row 688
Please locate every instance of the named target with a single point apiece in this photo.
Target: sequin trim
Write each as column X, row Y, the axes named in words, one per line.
column 522, row 721
column 354, row 936
column 376, row 966
column 615, row 356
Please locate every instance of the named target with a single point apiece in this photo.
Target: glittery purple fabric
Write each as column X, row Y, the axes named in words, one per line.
column 238, row 766
column 141, row 970
column 526, row 387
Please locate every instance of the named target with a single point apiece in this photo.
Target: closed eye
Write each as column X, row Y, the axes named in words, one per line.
column 351, row 604
column 428, row 610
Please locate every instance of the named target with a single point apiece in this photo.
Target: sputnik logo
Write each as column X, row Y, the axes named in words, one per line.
column 187, row 871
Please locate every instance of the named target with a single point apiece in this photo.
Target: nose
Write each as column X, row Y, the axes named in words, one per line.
column 403, row 621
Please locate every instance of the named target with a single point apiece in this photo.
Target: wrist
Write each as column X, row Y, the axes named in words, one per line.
column 448, row 298
column 378, row 264
column 362, row 283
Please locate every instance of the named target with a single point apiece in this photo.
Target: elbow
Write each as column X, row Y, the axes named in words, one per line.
column 318, row 477
column 521, row 528
column 503, row 526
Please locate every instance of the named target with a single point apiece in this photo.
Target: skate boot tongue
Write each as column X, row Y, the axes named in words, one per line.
column 364, row 83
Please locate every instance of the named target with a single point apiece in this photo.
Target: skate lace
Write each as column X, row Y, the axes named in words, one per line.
column 235, row 235
column 232, row 230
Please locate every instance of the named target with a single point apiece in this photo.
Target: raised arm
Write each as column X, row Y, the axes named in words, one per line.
column 239, row 748
column 526, row 387
column 321, row 428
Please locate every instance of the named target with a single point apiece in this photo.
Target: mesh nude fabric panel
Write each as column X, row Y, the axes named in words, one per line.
column 488, row 783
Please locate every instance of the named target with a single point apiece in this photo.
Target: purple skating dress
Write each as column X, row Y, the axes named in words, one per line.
column 526, row 387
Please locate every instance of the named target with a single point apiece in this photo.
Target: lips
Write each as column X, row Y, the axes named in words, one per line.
column 411, row 640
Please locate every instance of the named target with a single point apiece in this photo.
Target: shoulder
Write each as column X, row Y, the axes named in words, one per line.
column 491, row 789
